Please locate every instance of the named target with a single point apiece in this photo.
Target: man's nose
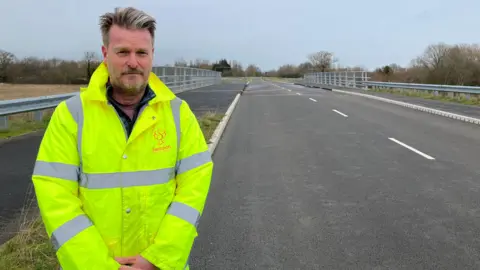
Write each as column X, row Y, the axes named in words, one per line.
column 132, row 61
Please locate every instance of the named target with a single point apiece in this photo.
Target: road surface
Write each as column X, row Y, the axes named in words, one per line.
column 18, row 155
column 312, row 179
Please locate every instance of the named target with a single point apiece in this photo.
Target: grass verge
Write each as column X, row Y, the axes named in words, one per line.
column 280, row 80
column 30, row 248
column 209, row 122
column 23, row 123
column 461, row 99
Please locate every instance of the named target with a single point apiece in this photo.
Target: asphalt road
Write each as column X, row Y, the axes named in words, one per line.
column 312, row 179
column 458, row 108
column 17, row 156
column 215, row 98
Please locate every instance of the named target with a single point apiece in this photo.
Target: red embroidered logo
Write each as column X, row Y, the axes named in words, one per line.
column 159, row 137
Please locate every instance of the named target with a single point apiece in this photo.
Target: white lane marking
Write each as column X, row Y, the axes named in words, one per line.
column 289, row 90
column 312, row 99
column 298, row 94
column 412, row 149
column 342, row 114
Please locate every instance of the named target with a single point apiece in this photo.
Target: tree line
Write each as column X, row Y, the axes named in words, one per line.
column 35, row 70
column 440, row 63
column 457, row 64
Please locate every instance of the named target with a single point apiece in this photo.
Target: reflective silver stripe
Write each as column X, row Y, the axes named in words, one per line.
column 185, row 212
column 69, row 230
column 57, row 170
column 74, row 105
column 126, row 179
column 175, row 105
column 193, row 161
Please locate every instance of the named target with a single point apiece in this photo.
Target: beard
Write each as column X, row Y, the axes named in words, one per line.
column 129, row 82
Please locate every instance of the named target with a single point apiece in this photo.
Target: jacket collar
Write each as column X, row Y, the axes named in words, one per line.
column 97, row 87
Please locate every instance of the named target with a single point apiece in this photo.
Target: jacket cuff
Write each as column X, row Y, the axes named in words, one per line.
column 151, row 254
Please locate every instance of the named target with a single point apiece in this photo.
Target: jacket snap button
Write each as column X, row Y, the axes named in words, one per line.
column 128, row 210
column 124, row 156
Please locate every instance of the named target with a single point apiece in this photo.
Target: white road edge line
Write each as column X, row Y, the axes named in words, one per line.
column 289, row 90
column 217, row 134
column 312, row 99
column 298, row 94
column 342, row 114
column 412, row 149
column 416, row 107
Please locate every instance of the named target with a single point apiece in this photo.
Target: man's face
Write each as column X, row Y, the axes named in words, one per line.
column 129, row 58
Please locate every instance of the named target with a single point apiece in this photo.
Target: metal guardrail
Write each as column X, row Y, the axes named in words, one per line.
column 353, row 79
column 178, row 79
column 426, row 87
column 359, row 79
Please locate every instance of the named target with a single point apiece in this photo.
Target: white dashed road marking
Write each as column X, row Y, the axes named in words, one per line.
column 411, row 148
column 342, row 114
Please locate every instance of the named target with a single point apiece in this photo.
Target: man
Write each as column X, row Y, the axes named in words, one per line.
column 123, row 170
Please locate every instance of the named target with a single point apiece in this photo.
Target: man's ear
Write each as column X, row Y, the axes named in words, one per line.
column 104, row 53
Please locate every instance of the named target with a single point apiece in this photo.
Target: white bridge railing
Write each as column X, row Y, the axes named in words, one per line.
column 360, row 80
column 178, row 79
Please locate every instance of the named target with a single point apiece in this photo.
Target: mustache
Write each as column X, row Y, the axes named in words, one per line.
column 132, row 71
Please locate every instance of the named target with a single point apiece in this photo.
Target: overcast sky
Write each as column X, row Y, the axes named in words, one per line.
column 268, row 33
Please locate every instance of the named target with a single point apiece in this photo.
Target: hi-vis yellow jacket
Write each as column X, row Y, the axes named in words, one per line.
column 102, row 195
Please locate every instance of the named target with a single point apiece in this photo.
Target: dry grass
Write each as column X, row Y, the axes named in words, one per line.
column 14, row 91
column 30, row 248
column 24, row 122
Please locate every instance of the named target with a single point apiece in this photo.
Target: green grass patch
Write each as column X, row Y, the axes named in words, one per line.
column 229, row 80
column 31, row 249
column 458, row 98
column 22, row 124
column 209, row 122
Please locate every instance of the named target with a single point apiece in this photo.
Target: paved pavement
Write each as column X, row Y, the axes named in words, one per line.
column 462, row 109
column 313, row 179
column 18, row 155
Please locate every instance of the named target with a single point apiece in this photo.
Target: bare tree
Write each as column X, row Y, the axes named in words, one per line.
column 440, row 63
column 253, row 71
column 322, row 61
column 237, row 69
column 180, row 63
column 6, row 61
column 91, row 62
column 305, row 67
column 434, row 56
column 289, row 71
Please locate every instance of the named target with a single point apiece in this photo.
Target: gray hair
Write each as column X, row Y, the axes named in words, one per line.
column 130, row 18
